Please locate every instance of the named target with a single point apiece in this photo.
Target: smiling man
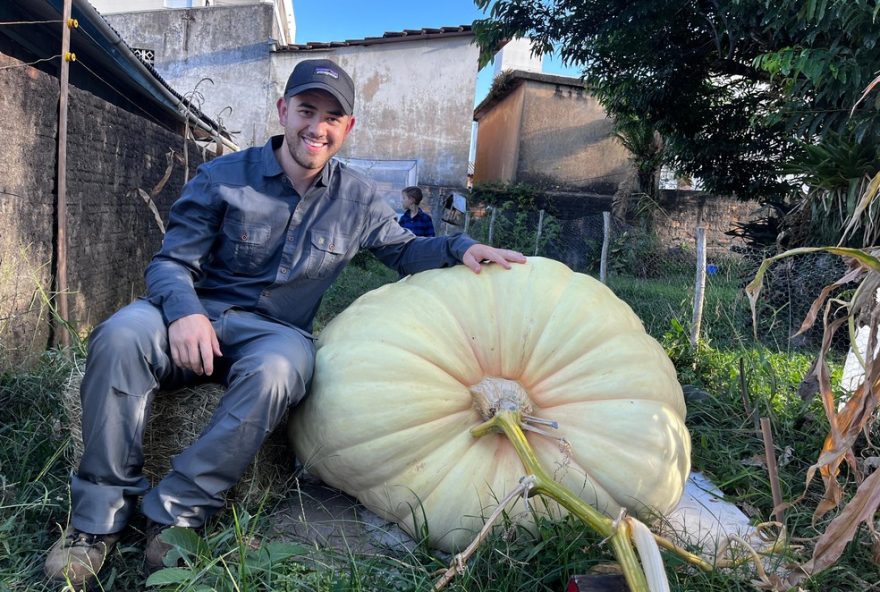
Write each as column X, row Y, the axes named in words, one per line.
column 252, row 244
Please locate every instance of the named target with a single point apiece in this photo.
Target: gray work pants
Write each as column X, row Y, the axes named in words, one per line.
column 266, row 367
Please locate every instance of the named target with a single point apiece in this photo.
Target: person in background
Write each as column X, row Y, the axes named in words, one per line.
column 413, row 218
column 252, row 244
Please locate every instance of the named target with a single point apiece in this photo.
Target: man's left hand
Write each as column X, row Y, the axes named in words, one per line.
column 478, row 253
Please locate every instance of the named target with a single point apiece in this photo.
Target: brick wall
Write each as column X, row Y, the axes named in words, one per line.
column 682, row 211
column 112, row 233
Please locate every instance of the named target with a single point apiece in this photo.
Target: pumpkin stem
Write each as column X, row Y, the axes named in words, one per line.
column 493, row 394
column 505, row 405
column 540, row 421
column 508, row 421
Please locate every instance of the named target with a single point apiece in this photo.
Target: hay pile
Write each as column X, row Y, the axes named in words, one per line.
column 177, row 418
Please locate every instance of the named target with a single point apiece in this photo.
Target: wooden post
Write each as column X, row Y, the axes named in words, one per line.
column 772, row 473
column 492, row 225
column 699, row 286
column 538, row 235
column 606, row 239
column 62, row 335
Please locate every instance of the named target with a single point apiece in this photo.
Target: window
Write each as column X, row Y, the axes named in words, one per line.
column 147, row 56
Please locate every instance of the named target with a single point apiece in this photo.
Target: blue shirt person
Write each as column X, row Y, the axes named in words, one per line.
column 413, row 218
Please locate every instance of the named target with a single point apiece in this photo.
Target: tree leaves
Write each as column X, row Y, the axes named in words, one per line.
column 731, row 85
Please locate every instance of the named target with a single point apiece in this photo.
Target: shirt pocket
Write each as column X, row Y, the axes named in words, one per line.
column 245, row 246
column 326, row 253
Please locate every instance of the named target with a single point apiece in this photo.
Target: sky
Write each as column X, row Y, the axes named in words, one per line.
column 338, row 20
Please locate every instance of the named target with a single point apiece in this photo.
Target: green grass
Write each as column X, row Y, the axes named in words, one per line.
column 238, row 552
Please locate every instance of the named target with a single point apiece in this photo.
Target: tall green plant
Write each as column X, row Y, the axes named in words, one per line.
column 645, row 146
column 838, row 170
column 731, row 85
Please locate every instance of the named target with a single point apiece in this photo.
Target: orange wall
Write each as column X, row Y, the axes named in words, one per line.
column 498, row 140
column 566, row 140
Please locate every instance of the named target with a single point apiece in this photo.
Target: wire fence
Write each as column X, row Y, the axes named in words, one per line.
column 682, row 288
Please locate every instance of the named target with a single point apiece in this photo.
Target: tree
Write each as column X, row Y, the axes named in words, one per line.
column 736, row 88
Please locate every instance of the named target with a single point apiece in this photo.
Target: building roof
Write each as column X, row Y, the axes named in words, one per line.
column 390, row 37
column 507, row 81
column 105, row 64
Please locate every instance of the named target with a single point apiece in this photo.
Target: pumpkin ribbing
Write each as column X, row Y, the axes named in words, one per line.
column 392, row 405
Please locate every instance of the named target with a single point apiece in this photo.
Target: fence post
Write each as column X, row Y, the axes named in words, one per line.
column 467, row 219
column 700, row 286
column 491, row 225
column 606, row 238
column 538, row 235
column 62, row 331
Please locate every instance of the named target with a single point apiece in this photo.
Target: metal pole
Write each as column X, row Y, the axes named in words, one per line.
column 492, row 225
column 467, row 220
column 606, row 239
column 699, row 286
column 62, row 336
column 538, row 235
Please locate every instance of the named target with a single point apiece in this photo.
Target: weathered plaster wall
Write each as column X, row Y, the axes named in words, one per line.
column 228, row 45
column 414, row 100
column 567, row 141
column 112, row 233
column 498, row 140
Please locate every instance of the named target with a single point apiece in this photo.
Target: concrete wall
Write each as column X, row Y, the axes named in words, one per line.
column 283, row 10
column 567, row 142
column 112, row 233
column 414, row 100
column 111, row 6
column 228, row 45
column 498, row 140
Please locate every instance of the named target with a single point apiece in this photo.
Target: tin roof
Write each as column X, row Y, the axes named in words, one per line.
column 508, row 80
column 104, row 56
column 389, row 37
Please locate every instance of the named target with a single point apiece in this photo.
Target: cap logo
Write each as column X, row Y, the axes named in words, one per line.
column 327, row 72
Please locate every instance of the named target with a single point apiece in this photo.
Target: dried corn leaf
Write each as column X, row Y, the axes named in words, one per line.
column 859, row 257
column 861, row 508
column 810, row 319
column 867, row 198
column 870, row 87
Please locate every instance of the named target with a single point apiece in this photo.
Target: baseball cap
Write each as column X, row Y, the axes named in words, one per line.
column 324, row 75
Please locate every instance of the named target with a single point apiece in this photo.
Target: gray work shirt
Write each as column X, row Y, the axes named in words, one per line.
column 241, row 236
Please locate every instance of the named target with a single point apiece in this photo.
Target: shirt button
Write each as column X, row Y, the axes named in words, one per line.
column 290, row 238
column 244, row 237
column 332, row 246
column 283, row 270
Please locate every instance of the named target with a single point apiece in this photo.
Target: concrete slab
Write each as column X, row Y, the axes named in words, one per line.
column 328, row 518
column 704, row 519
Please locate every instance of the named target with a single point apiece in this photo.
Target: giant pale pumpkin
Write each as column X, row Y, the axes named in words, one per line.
column 406, row 371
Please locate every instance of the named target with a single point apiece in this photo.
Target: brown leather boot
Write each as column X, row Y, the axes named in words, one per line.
column 156, row 547
column 78, row 557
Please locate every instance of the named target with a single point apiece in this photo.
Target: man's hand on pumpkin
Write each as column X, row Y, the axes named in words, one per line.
column 479, row 252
